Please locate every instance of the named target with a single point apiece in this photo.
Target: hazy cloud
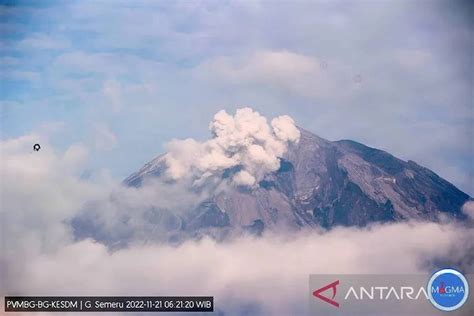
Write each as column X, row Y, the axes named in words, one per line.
column 104, row 137
column 280, row 70
column 41, row 41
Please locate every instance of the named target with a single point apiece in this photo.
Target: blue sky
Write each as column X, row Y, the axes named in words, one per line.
column 125, row 77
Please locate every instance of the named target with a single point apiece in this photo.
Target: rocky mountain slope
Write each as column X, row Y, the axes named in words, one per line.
column 320, row 183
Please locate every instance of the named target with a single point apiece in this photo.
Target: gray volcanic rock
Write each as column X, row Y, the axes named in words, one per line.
column 322, row 183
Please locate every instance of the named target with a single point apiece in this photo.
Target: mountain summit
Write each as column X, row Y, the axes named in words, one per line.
column 320, row 183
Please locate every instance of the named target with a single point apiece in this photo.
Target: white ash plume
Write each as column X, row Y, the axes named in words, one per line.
column 244, row 141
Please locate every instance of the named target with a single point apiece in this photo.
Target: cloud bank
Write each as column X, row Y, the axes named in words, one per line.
column 266, row 276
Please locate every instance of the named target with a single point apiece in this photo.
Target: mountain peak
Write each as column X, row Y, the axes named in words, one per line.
column 322, row 183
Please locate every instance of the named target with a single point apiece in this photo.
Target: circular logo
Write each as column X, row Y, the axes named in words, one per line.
column 448, row 290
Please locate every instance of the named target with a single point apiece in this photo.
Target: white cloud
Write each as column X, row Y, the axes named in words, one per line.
column 39, row 191
column 270, row 272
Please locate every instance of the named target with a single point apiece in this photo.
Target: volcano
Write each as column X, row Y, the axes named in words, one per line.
column 320, row 183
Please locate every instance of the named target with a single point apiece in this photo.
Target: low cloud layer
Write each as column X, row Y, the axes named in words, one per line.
column 266, row 276
column 244, row 141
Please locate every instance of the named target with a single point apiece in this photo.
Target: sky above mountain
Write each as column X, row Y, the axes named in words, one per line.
column 122, row 79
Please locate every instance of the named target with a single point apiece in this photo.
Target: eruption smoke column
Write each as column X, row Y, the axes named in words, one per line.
column 244, row 143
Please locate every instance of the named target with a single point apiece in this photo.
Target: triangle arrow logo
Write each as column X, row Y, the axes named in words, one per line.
column 333, row 286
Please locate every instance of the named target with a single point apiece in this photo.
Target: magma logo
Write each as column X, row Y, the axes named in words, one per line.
column 448, row 290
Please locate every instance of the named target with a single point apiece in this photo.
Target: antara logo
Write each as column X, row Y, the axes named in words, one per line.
column 332, row 286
